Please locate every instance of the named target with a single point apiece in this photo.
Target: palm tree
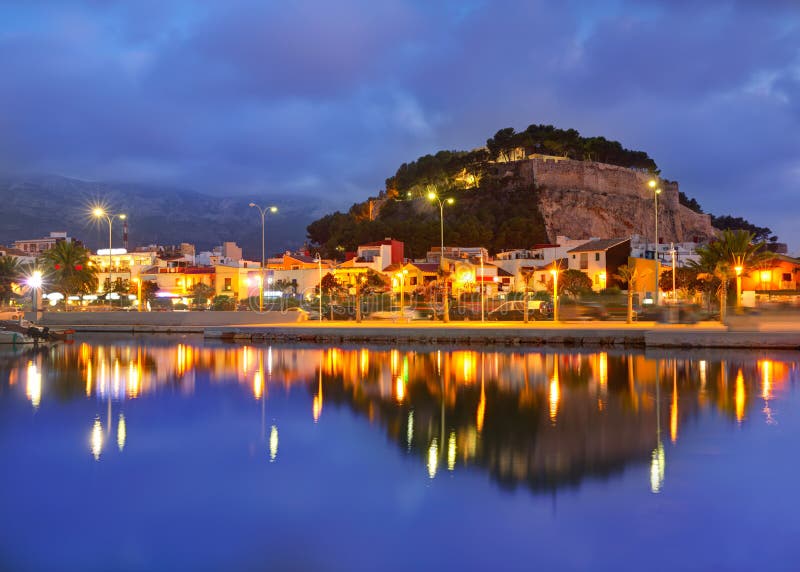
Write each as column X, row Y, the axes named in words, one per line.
column 733, row 251
column 69, row 269
column 631, row 277
column 10, row 274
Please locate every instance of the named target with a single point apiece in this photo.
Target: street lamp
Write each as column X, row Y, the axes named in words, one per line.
column 738, row 270
column 138, row 293
column 402, row 276
column 554, row 272
column 99, row 212
column 34, row 283
column 263, row 212
column 653, row 184
column 482, row 301
column 318, row 260
column 434, row 197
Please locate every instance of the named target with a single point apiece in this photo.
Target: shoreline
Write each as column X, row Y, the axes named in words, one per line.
column 563, row 334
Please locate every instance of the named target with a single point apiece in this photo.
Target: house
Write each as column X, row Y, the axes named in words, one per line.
column 780, row 273
column 36, row 246
column 121, row 264
column 376, row 255
column 456, row 253
column 176, row 279
column 522, row 263
column 417, row 277
column 600, row 259
column 290, row 261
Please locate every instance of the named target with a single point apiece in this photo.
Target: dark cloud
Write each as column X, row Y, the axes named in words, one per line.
column 329, row 97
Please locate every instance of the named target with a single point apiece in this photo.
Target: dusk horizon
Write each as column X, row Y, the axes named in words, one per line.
column 330, row 101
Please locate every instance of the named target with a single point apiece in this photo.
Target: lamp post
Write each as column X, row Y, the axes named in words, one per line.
column 738, row 270
column 34, row 283
column 674, row 253
column 402, row 276
column 554, row 272
column 653, row 184
column 263, row 212
column 359, row 285
column 99, row 212
column 483, row 305
column 318, row 260
column 138, row 293
column 434, row 197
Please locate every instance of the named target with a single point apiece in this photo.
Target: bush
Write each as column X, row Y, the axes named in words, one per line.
column 223, row 302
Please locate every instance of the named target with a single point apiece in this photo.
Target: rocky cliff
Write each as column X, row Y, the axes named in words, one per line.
column 582, row 199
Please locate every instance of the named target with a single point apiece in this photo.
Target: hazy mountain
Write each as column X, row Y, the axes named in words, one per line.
column 31, row 207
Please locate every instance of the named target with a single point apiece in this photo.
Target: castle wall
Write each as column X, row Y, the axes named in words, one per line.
column 582, row 199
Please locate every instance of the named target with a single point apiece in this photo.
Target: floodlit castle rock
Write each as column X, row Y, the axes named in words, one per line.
column 582, row 199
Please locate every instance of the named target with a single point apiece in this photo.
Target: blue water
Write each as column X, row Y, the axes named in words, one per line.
column 171, row 454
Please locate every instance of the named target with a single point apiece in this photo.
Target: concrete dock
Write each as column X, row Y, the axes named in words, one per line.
column 277, row 327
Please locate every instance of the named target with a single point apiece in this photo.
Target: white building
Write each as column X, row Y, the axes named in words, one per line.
column 684, row 251
column 36, row 246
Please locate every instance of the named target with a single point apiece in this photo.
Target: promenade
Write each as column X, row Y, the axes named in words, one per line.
column 275, row 327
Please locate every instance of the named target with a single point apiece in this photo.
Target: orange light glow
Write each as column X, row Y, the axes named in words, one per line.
column 673, row 413
column 481, row 410
column 766, row 378
column 740, row 397
column 258, row 384
column 554, row 394
column 400, row 389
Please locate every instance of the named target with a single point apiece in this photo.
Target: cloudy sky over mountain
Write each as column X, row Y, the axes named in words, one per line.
column 328, row 98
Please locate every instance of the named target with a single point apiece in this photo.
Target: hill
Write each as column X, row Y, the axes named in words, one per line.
column 35, row 205
column 521, row 189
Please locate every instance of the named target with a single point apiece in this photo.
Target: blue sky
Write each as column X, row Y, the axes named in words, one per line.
column 328, row 98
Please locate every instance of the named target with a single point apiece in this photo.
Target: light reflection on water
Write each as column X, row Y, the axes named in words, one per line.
column 533, row 419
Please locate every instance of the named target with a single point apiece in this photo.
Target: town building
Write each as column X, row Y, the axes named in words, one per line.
column 37, row 246
column 376, row 255
column 600, row 259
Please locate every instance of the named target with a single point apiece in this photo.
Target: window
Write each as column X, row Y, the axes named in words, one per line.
column 597, row 257
column 584, row 260
column 787, row 277
column 227, row 284
column 413, row 281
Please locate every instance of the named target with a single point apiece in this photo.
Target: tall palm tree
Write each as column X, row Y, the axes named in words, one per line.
column 631, row 277
column 69, row 269
column 10, row 274
column 731, row 250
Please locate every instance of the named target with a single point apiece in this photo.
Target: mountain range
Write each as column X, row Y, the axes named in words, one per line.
column 33, row 206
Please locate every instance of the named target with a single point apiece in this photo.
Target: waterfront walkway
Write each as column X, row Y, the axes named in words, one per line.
column 641, row 334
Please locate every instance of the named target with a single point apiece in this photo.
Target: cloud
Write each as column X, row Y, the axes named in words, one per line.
column 332, row 97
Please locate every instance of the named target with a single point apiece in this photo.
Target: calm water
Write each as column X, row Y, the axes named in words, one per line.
column 172, row 454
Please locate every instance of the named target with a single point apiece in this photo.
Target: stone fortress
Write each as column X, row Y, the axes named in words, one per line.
column 583, row 199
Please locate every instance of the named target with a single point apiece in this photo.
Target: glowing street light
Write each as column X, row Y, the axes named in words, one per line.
column 402, row 280
column 99, row 212
column 653, row 184
column 738, row 270
column 263, row 212
column 35, row 283
column 554, row 272
column 138, row 293
column 318, row 260
column 432, row 196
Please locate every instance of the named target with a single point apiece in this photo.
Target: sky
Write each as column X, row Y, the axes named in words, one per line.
column 329, row 98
